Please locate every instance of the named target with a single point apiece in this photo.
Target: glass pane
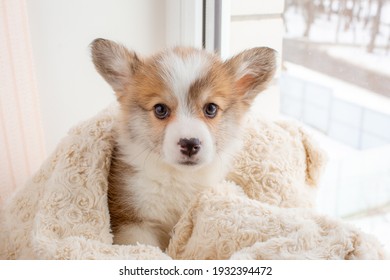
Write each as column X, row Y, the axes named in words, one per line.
column 336, row 80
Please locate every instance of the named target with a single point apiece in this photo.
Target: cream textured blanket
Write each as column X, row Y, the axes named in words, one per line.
column 62, row 213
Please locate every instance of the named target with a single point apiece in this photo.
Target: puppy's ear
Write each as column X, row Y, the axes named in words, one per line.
column 114, row 62
column 253, row 69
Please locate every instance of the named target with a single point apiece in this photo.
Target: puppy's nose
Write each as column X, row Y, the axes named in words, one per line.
column 189, row 147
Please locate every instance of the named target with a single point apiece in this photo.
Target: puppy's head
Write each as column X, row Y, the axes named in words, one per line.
column 183, row 105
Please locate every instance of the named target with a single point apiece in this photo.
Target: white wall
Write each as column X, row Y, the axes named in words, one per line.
column 256, row 23
column 69, row 87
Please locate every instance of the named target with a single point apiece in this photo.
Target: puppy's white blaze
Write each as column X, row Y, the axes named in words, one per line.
column 180, row 72
column 187, row 127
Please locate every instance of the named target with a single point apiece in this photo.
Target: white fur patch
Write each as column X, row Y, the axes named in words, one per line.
column 162, row 193
column 180, row 73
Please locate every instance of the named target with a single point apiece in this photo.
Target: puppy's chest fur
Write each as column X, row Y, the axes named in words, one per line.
column 157, row 196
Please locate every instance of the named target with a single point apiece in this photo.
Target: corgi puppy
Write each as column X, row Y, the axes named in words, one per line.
column 181, row 111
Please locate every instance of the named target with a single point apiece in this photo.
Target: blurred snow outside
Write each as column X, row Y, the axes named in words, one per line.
column 356, row 182
column 336, row 29
column 357, row 56
column 341, row 94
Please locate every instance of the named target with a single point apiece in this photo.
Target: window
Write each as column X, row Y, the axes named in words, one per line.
column 336, row 80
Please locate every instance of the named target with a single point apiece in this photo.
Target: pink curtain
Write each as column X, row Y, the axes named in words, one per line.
column 21, row 135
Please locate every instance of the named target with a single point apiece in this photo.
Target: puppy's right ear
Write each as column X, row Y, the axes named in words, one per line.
column 114, row 62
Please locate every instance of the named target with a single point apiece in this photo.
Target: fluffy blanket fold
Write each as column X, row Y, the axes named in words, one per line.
column 62, row 213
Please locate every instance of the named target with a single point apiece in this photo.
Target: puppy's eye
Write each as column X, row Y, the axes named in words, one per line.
column 161, row 111
column 210, row 110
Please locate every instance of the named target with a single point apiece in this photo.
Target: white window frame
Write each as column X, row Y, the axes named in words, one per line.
column 184, row 23
column 199, row 24
column 217, row 26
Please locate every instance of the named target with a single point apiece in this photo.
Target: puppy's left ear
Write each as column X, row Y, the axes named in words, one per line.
column 253, row 70
column 115, row 63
